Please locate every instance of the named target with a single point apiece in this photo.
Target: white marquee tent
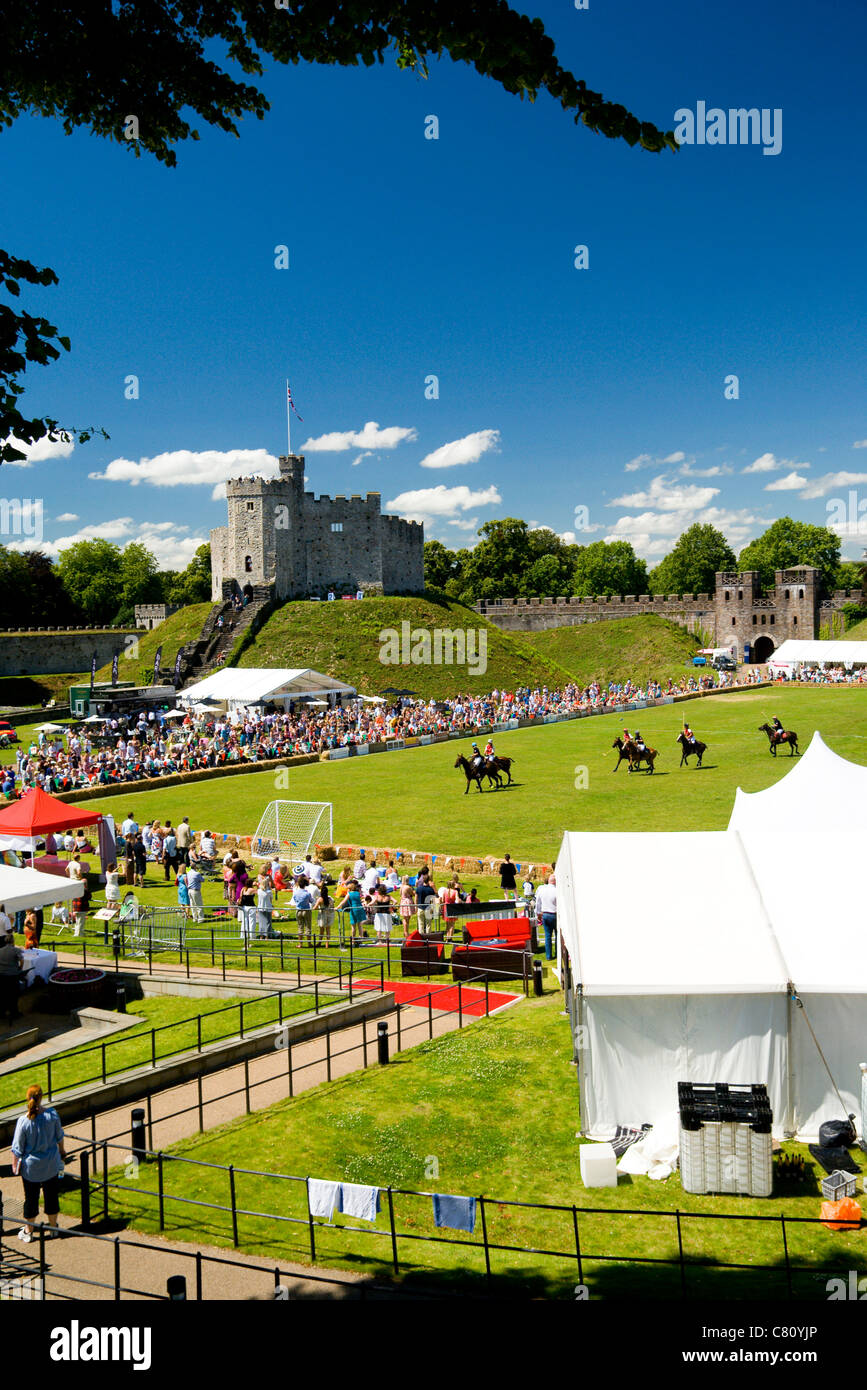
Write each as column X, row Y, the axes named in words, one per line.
column 818, row 652
column 22, row 888
column 709, row 956
column 238, row 688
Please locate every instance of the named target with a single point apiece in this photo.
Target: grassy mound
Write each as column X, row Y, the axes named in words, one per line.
column 344, row 640
column 137, row 663
column 618, row 648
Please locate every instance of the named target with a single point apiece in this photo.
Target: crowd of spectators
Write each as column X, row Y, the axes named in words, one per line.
column 830, row 675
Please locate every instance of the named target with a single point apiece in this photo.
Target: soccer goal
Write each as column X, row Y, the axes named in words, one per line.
column 291, row 827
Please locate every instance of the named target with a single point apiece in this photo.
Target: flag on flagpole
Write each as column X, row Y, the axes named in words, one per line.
column 292, row 403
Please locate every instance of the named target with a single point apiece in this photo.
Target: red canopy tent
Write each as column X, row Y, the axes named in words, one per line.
column 37, row 814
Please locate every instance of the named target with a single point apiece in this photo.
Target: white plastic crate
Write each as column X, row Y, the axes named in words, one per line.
column 839, row 1184
column 727, row 1157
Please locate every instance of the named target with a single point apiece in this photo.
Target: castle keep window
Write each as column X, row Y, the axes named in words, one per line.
column 337, row 525
column 251, row 506
column 248, row 564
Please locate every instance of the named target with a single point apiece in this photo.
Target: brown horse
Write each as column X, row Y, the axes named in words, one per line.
column 634, row 756
column 775, row 738
column 502, row 765
column 473, row 773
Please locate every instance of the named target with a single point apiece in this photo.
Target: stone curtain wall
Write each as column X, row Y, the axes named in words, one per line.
column 736, row 613
column 537, row 614
column 52, row 654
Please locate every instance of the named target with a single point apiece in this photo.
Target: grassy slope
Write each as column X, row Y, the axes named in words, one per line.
column 130, row 1049
column 414, row 799
column 858, row 633
column 183, row 626
column 343, row 640
column 619, row 648
column 496, row 1107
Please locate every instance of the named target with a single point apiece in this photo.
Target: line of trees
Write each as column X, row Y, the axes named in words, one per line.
column 511, row 560
column 93, row 582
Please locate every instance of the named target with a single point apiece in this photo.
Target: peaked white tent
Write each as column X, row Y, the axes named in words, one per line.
column 708, row 956
column 237, row 687
column 820, row 792
column 819, row 652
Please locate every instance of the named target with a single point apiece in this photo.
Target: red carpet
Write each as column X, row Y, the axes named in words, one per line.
column 444, row 996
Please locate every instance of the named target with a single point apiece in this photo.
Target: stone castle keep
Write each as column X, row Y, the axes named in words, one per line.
column 738, row 614
column 302, row 546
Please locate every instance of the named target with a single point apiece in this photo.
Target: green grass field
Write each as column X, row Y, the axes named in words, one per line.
column 174, row 1016
column 491, row 1110
column 414, row 799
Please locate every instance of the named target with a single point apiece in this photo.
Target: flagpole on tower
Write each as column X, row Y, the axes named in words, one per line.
column 288, row 422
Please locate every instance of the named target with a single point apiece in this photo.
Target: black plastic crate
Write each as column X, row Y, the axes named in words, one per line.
column 719, row 1102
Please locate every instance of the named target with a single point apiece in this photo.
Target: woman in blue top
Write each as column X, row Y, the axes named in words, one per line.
column 357, row 911
column 38, row 1155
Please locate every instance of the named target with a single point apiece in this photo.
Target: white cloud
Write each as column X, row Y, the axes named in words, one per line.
column 469, row 525
column 718, row 470
column 652, row 534
column 860, row 444
column 855, row 528
column 425, row 503
column 765, row 463
column 368, row 454
column 790, row 483
column 38, row 452
column 769, row 463
column 186, row 466
column 677, row 457
column 643, row 545
column 370, row 437
column 667, row 497
column 820, row 486
column 173, row 547
column 467, row 450
column 67, row 516
column 640, row 461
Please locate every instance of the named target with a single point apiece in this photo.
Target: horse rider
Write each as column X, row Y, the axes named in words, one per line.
column 638, row 741
column 489, row 749
column 476, row 759
column 627, row 739
column 778, row 729
column 688, row 734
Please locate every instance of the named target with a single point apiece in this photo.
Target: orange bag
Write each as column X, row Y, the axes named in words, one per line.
column 847, row 1209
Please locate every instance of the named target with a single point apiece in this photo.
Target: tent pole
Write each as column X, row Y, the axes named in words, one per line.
column 789, row 1128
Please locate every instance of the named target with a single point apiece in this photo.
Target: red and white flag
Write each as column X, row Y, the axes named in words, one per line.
column 292, row 403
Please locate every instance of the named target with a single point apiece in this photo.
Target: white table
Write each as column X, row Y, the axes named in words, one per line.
column 38, row 964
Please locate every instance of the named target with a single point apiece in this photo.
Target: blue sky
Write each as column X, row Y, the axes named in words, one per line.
column 559, row 388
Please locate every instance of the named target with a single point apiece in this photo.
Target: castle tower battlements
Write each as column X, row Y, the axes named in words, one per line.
column 302, row 545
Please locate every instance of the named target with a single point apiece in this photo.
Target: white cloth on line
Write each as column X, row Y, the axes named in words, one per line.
column 359, row 1201
column 323, row 1197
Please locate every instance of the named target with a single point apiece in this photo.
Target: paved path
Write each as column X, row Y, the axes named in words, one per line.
column 224, row 1096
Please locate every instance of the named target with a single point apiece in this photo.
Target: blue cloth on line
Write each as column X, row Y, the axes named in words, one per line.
column 459, row 1213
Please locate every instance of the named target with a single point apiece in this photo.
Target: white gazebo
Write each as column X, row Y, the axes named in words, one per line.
column 237, row 688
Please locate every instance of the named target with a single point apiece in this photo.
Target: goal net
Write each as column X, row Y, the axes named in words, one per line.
column 290, row 828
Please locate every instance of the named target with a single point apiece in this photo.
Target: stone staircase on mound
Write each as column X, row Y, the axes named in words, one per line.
column 211, row 648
